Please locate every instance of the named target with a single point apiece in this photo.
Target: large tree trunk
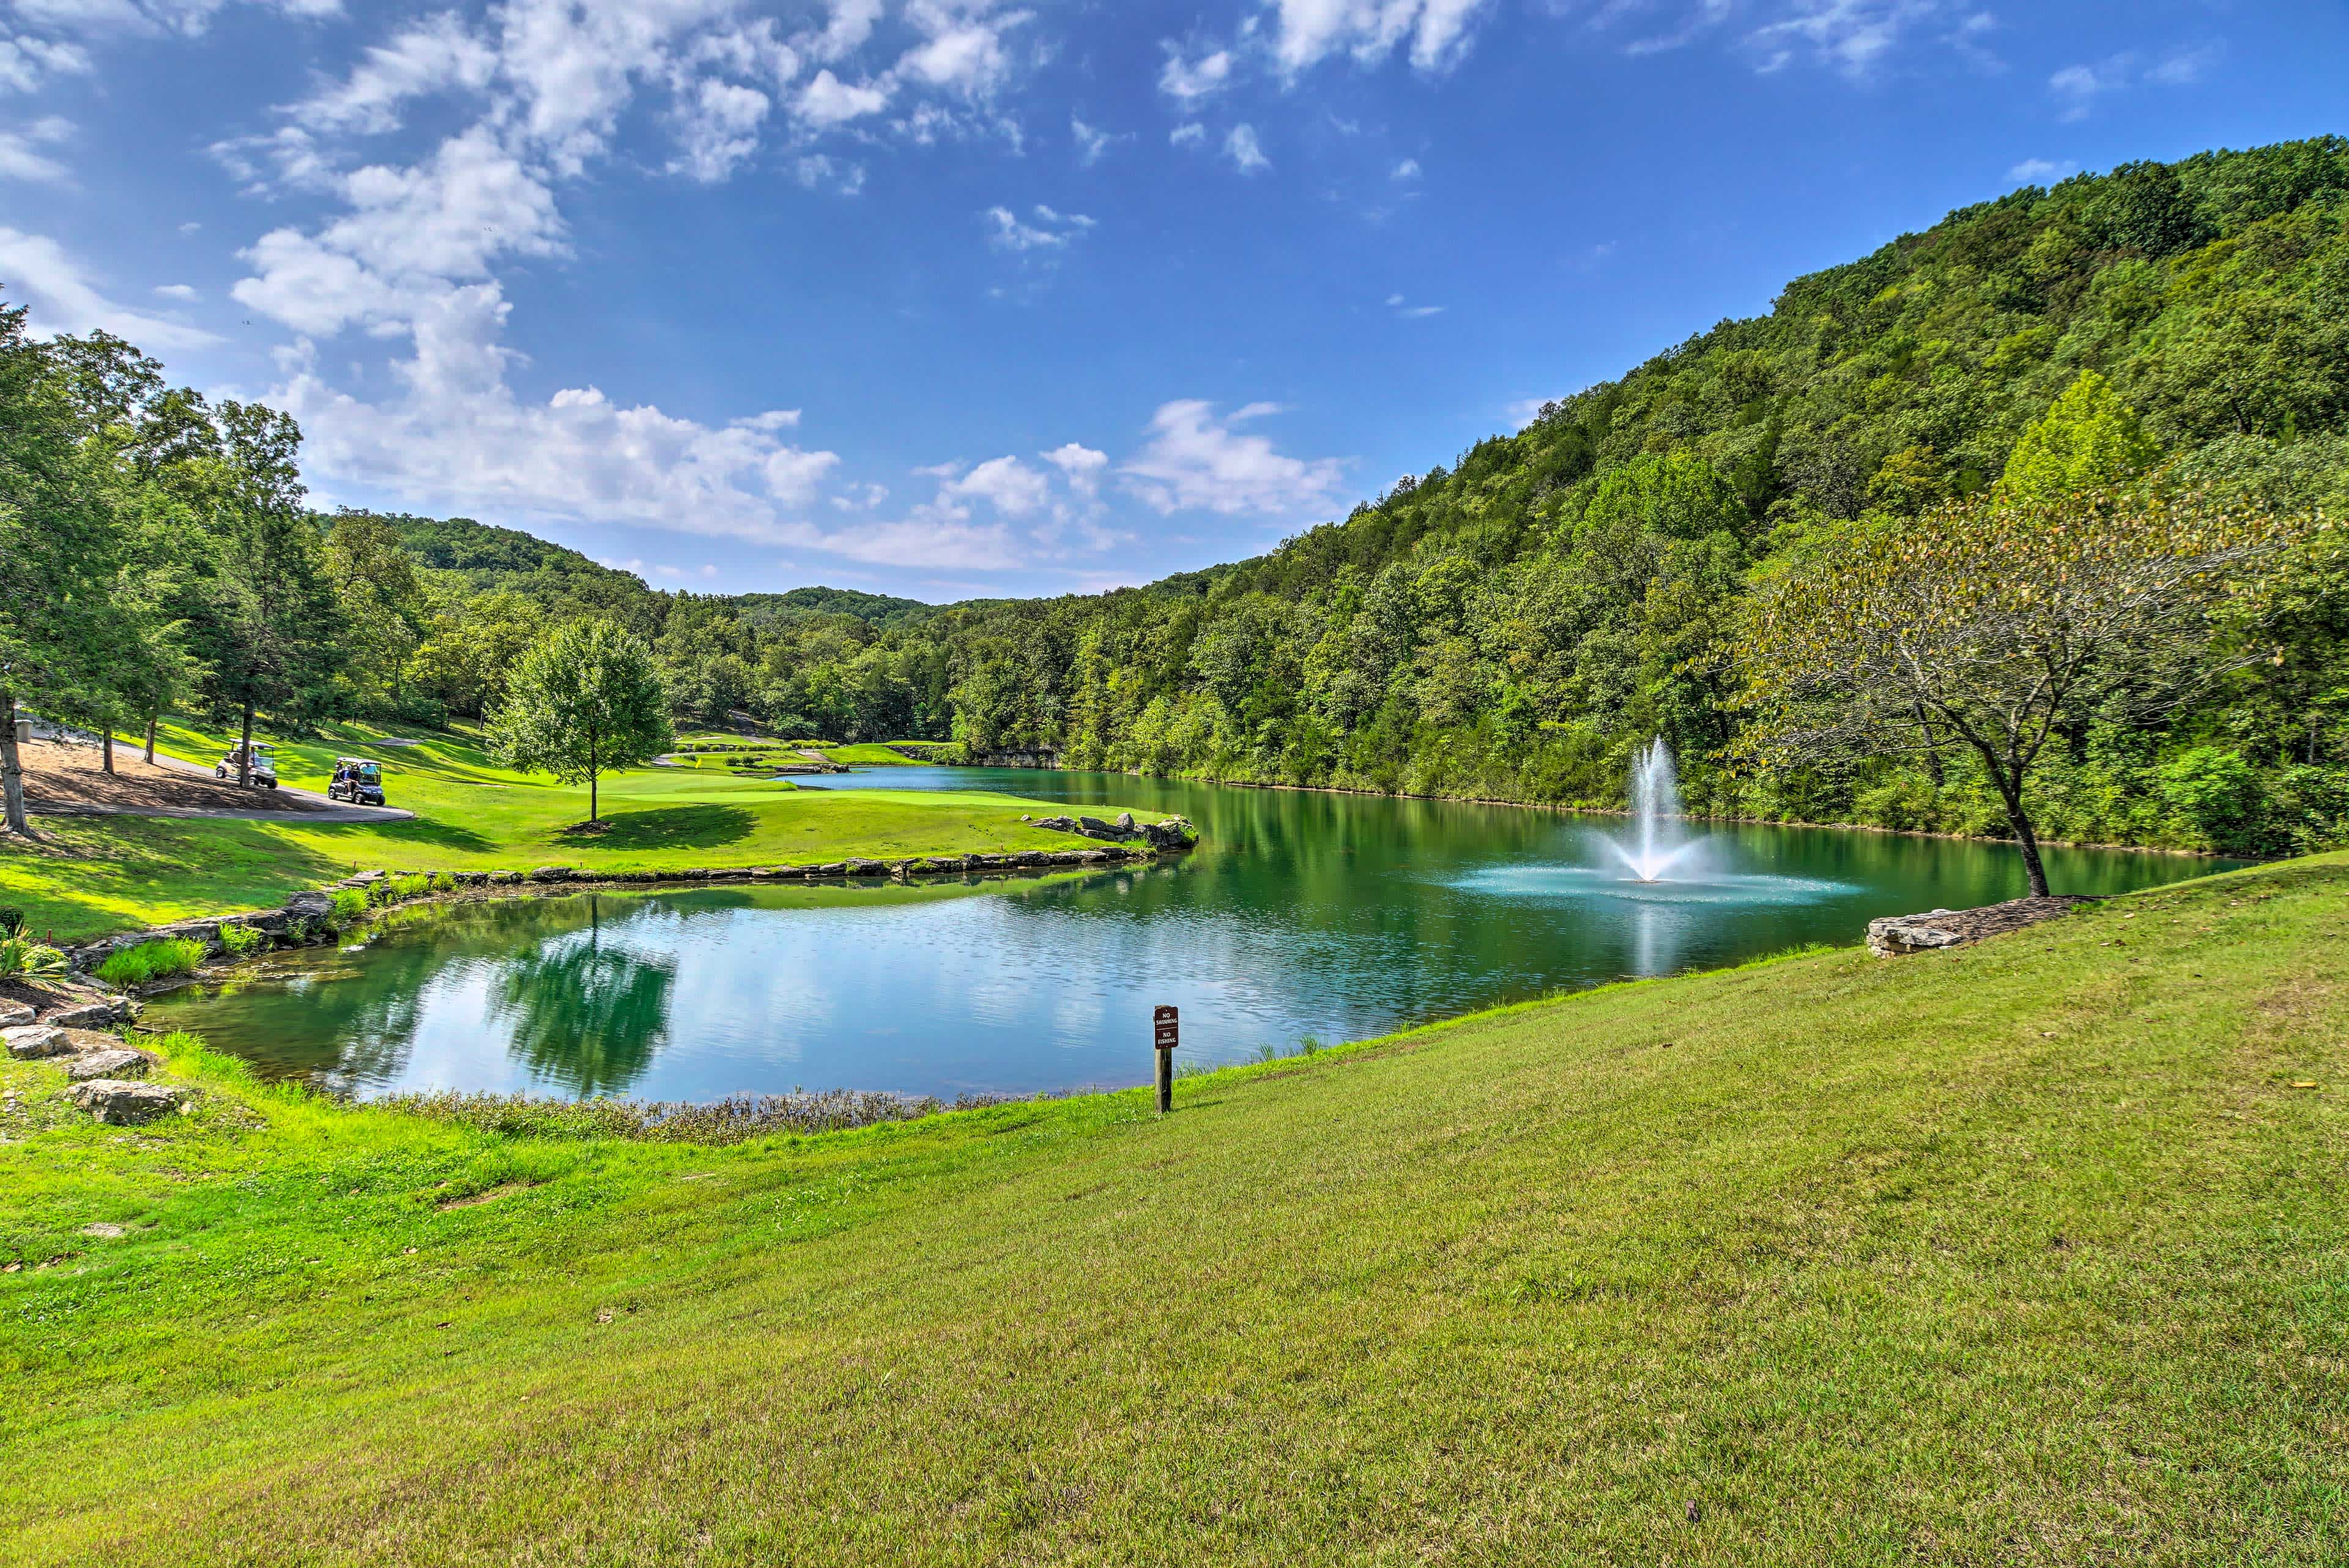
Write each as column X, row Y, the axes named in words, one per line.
column 245, row 750
column 12, row 768
column 2011, row 793
column 590, row 779
column 150, row 739
column 106, row 749
column 2006, row 776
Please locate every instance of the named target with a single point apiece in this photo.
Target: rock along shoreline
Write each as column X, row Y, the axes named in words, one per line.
column 310, row 919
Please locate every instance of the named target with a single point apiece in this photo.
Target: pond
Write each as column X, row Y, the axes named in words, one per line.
column 1302, row 915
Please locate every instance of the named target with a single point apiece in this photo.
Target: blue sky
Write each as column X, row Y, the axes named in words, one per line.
column 953, row 298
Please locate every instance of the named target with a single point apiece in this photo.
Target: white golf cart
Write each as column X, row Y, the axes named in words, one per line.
column 265, row 769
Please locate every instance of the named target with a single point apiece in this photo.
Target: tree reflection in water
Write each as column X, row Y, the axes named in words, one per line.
column 583, row 1014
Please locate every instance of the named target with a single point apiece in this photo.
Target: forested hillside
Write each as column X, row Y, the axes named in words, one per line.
column 1511, row 626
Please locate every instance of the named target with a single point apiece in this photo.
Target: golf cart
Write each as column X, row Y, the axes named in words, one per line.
column 265, row 769
column 358, row 781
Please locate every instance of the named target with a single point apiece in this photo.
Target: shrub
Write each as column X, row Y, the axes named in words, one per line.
column 11, row 920
column 442, row 882
column 414, row 887
column 151, row 960
column 242, row 941
column 2214, row 792
column 350, row 903
column 20, row 954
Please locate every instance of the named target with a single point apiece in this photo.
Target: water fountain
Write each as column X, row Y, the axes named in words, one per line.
column 1657, row 842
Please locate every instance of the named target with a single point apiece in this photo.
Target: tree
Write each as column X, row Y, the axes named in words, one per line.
column 263, row 617
column 61, row 549
column 383, row 608
column 2089, row 439
column 586, row 702
column 2002, row 623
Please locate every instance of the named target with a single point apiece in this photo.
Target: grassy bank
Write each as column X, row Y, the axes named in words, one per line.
column 2036, row 1252
column 97, row 874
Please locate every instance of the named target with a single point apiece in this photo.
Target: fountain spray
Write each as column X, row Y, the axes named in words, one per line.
column 1656, row 843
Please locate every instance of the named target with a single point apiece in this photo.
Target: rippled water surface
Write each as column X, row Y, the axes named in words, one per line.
column 1337, row 916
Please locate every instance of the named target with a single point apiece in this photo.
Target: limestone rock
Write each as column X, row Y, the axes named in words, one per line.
column 13, row 1015
column 119, row 1063
column 119, row 1102
column 552, row 874
column 87, row 1015
column 1898, row 934
column 1124, row 823
column 1175, row 833
column 32, row 1042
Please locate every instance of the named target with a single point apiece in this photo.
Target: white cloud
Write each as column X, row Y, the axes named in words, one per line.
column 850, row 25
column 1081, row 466
column 1050, row 231
column 2043, row 171
column 1407, row 170
column 818, row 169
column 1092, row 142
column 2077, row 88
column 964, row 52
column 1189, row 135
column 1853, row 36
column 1188, row 80
column 1242, row 148
column 179, row 291
column 26, row 62
column 439, row 54
column 1195, row 461
column 20, row 154
column 1307, row 32
column 718, row 129
column 457, row 436
column 409, row 232
column 1008, row 484
column 828, row 101
column 2183, row 68
column 36, row 269
column 188, row 18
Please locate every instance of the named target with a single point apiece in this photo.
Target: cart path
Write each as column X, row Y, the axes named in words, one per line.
column 313, row 806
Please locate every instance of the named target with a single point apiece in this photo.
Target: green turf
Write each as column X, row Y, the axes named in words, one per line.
column 872, row 756
column 92, row 876
column 2036, row 1251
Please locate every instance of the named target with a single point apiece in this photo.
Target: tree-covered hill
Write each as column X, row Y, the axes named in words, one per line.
column 1511, row 626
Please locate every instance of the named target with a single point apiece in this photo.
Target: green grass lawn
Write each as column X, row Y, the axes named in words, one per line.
column 2031, row 1253
column 97, row 874
column 874, row 756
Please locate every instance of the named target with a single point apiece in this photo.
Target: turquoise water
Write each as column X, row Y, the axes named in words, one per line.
column 1335, row 917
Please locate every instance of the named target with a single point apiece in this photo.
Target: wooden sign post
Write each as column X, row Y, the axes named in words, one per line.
column 1168, row 1028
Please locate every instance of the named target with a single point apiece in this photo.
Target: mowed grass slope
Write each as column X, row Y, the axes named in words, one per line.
column 97, row 874
column 2036, row 1252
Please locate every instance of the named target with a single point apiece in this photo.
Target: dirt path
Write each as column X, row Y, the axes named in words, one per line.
column 69, row 781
